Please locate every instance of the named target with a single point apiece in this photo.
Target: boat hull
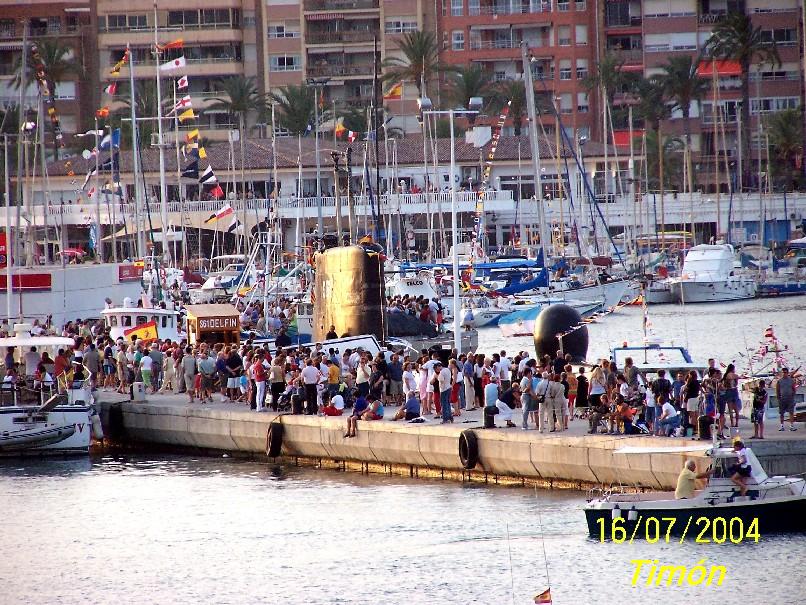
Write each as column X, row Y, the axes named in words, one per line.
column 713, row 291
column 782, row 289
column 784, row 515
column 63, row 430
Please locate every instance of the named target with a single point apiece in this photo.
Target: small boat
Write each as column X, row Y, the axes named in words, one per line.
column 522, row 323
column 772, row 504
column 708, row 276
column 123, row 320
column 654, row 355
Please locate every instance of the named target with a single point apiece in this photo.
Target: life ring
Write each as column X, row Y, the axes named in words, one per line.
column 274, row 439
column 468, row 449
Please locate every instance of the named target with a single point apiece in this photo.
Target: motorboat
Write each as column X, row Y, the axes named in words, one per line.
column 48, row 419
column 659, row 291
column 522, row 322
column 708, row 275
column 125, row 319
column 771, row 505
column 654, row 355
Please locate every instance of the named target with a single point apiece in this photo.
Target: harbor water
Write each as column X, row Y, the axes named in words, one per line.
column 180, row 529
column 159, row 529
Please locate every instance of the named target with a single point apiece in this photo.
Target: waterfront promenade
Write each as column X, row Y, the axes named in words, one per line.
column 570, row 458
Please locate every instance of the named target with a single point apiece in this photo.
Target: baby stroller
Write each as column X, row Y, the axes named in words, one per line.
column 289, row 397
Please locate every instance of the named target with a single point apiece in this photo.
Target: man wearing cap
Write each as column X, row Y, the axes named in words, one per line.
column 785, row 391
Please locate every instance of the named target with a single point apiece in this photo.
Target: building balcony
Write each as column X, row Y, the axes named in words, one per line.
column 339, row 71
column 493, row 44
column 507, row 9
column 631, row 56
column 340, row 5
column 343, row 37
column 711, row 18
column 624, row 23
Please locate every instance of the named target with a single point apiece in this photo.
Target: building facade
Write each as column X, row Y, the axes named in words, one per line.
column 55, row 23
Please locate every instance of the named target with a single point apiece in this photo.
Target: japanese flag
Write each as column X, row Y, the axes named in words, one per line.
column 174, row 64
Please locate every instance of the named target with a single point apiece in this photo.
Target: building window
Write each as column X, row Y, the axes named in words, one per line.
column 499, row 76
column 397, row 26
column 565, row 69
column 458, row 40
column 781, row 37
column 8, row 28
column 457, row 8
column 114, row 22
column 564, row 35
column 581, row 32
column 285, row 63
column 582, row 102
column 282, row 30
column 563, row 7
column 582, row 69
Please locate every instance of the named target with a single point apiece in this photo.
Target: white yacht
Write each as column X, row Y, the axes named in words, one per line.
column 708, row 276
column 35, row 419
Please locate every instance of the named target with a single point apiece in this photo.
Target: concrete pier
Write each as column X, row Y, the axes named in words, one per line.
column 568, row 459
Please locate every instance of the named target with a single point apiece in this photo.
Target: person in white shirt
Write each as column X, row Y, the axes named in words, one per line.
column 409, row 382
column 669, row 420
column 522, row 364
column 428, row 366
column 741, row 470
column 31, row 359
column 310, row 378
column 504, row 371
column 445, row 382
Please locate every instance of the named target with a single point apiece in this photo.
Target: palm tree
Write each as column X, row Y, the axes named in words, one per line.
column 241, row 98
column 684, row 87
column 514, row 93
column 736, row 39
column 59, row 62
column 420, row 61
column 651, row 103
column 296, row 108
column 468, row 82
column 785, row 129
column 671, row 149
column 608, row 77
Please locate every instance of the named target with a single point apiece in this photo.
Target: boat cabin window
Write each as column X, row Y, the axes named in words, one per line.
column 305, row 309
column 126, row 321
column 112, row 320
column 140, row 320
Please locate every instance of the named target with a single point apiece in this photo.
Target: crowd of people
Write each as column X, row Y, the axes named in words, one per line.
column 431, row 385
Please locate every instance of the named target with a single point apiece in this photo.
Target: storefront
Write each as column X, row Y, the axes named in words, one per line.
column 213, row 324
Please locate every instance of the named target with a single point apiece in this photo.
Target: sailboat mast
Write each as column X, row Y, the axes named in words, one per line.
column 138, row 186
column 179, row 178
column 166, row 253
column 18, row 242
column 532, row 110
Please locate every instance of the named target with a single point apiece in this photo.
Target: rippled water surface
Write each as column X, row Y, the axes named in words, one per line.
column 152, row 529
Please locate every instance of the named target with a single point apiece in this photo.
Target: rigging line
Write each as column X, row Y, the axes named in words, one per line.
column 511, row 572
column 543, row 541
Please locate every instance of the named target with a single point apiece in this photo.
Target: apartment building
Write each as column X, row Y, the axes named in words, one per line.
column 49, row 21
column 335, row 45
column 562, row 38
column 644, row 33
column 220, row 39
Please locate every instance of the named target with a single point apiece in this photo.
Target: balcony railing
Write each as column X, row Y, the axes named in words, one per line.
column 361, row 69
column 344, row 37
column 506, row 9
column 711, row 18
column 339, row 5
column 628, row 22
column 635, row 55
column 493, row 44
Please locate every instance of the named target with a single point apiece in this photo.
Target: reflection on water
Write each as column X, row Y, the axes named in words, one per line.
column 182, row 529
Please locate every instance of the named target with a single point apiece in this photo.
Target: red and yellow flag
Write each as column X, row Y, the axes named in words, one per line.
column 178, row 43
column 395, row 93
column 340, row 128
column 146, row 332
column 544, row 597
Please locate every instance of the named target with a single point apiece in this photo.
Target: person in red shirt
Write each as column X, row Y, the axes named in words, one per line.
column 61, row 364
column 259, row 374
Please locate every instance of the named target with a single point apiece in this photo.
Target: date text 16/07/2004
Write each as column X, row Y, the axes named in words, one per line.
column 703, row 529
column 697, row 575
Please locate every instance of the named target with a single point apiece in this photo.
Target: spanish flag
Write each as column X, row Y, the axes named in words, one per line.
column 178, row 43
column 146, row 332
column 187, row 115
column 544, row 597
column 103, row 112
column 340, row 129
column 395, row 93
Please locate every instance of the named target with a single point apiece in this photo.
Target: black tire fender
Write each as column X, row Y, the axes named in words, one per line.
column 468, row 449
column 274, row 440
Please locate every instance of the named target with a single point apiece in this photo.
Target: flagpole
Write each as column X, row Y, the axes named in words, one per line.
column 166, row 253
column 98, row 247
column 138, row 191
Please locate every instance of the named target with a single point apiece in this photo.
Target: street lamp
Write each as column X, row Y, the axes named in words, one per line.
column 426, row 107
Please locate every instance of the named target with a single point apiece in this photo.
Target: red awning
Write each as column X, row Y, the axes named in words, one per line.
column 722, row 67
column 621, row 138
column 324, row 16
